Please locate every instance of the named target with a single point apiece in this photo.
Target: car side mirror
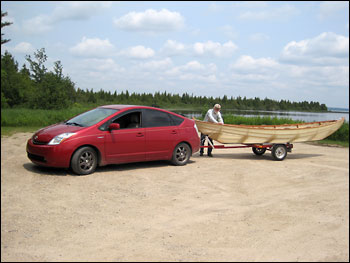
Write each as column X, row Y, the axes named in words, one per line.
column 114, row 126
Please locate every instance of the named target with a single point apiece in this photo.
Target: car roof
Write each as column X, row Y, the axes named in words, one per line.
column 117, row 106
column 122, row 106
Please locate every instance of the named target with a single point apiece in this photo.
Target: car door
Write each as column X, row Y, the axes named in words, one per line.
column 126, row 144
column 161, row 134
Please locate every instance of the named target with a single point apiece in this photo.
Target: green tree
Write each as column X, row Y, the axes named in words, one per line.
column 10, row 79
column 3, row 24
column 54, row 90
column 37, row 65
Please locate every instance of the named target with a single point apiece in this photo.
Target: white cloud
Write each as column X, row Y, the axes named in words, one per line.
column 79, row 10
column 209, row 48
column 194, row 70
column 193, row 66
column 229, row 31
column 92, row 47
column 247, row 68
column 259, row 37
column 286, row 80
column 331, row 76
column 156, row 64
column 138, row 52
column 250, row 4
column 23, row 47
column 101, row 65
column 37, row 25
column 74, row 10
column 213, row 7
column 150, row 21
column 269, row 14
column 250, row 63
column 215, row 48
column 330, row 8
column 172, row 48
column 327, row 48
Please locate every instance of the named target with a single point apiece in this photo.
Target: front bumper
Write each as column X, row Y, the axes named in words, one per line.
column 49, row 155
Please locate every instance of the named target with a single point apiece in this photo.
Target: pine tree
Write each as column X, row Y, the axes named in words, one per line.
column 3, row 24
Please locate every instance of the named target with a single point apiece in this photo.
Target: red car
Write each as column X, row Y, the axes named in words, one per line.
column 114, row 134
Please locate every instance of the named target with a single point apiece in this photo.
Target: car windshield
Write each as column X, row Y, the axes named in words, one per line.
column 91, row 117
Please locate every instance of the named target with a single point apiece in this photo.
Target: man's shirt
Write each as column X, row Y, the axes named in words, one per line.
column 213, row 116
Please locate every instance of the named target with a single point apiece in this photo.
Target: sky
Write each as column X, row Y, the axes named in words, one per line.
column 290, row 50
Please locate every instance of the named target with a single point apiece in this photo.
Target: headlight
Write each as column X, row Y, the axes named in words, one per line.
column 60, row 138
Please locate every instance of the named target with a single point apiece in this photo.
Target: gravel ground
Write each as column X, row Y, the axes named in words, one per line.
column 233, row 207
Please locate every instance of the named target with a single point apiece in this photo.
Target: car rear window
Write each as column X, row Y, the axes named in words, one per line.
column 176, row 120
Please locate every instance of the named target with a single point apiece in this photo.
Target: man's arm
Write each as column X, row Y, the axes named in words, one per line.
column 220, row 118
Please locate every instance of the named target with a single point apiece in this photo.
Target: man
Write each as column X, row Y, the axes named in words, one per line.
column 213, row 115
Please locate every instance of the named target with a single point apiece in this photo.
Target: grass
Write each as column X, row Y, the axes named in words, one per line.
column 8, row 131
column 19, row 117
column 327, row 142
column 28, row 120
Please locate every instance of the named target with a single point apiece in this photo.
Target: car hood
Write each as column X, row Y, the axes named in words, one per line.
column 46, row 134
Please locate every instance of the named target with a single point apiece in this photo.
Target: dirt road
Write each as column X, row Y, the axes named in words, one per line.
column 233, row 207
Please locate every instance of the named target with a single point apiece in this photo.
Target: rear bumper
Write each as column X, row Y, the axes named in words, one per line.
column 195, row 144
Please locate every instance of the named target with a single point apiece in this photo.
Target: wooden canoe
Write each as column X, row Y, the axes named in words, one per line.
column 286, row 133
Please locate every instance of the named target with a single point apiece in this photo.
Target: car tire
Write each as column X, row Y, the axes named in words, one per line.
column 84, row 161
column 181, row 154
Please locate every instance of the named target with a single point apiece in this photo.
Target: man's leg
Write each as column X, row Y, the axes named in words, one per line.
column 202, row 144
column 210, row 148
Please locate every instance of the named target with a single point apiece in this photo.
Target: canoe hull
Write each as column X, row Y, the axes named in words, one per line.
column 246, row 134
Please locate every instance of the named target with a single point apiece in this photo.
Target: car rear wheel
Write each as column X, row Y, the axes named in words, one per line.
column 84, row 161
column 181, row 154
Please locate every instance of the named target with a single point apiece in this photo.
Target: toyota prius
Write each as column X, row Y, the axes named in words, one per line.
column 115, row 134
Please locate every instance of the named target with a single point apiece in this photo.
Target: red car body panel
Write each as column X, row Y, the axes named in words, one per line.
column 112, row 146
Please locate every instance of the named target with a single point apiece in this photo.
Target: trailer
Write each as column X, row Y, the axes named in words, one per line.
column 278, row 150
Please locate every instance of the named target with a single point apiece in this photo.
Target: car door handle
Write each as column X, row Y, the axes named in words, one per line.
column 140, row 134
column 174, row 132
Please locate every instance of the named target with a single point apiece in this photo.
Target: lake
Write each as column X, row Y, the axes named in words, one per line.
column 294, row 115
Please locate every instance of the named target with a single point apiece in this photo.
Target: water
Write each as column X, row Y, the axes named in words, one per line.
column 336, row 114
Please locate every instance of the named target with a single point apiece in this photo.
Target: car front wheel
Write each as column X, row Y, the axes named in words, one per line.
column 181, row 154
column 84, row 161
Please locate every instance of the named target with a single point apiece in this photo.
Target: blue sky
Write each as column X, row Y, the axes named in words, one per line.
column 294, row 51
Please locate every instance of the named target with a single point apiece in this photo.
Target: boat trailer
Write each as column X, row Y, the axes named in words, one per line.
column 278, row 150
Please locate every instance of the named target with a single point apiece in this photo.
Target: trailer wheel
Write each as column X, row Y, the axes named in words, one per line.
column 279, row 152
column 259, row 151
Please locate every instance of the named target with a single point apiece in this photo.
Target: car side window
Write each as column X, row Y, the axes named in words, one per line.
column 130, row 120
column 156, row 118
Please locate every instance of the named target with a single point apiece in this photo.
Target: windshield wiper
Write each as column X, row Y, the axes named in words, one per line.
column 74, row 123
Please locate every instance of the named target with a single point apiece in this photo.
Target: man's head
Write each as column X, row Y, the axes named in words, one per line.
column 217, row 107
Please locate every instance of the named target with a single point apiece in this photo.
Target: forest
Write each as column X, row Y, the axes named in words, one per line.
column 38, row 88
